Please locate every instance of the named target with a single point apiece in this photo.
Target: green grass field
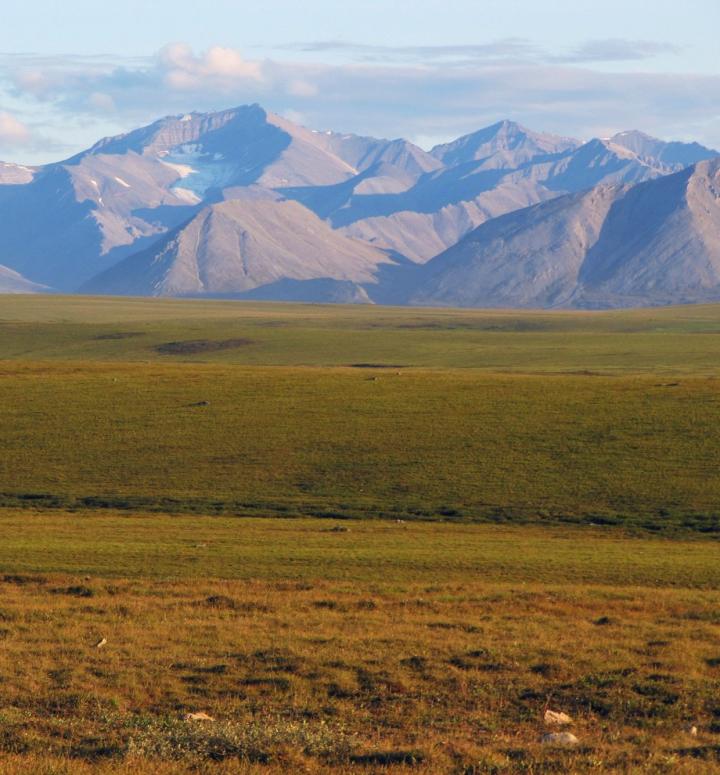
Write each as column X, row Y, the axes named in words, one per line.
column 680, row 340
column 384, row 554
column 258, row 409
column 518, row 510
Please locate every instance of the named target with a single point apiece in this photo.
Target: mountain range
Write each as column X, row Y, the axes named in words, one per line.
column 245, row 204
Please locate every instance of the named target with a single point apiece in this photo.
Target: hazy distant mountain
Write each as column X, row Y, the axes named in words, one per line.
column 672, row 156
column 653, row 243
column 505, row 145
column 599, row 162
column 238, row 245
column 486, row 174
column 12, row 282
column 364, row 153
column 151, row 211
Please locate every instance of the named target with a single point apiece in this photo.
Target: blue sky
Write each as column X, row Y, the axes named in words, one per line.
column 73, row 71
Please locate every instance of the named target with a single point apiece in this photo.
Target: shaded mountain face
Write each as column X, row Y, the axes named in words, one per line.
column 75, row 219
column 660, row 244
column 235, row 246
column 80, row 217
column 150, row 211
column 484, row 175
column 656, row 242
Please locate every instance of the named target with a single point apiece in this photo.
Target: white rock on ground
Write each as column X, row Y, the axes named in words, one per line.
column 557, row 718
column 560, row 739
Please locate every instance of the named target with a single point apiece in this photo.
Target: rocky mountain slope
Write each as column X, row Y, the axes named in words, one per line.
column 235, row 246
column 657, row 242
column 484, row 175
column 242, row 202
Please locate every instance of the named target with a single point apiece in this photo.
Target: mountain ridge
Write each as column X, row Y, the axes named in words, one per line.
column 373, row 206
column 239, row 245
column 657, row 242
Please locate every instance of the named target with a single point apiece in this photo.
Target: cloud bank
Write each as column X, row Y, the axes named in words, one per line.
column 507, row 51
column 12, row 132
column 427, row 94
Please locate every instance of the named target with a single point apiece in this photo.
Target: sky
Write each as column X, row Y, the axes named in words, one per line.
column 73, row 71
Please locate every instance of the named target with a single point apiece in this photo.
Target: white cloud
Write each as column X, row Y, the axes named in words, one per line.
column 102, row 102
column 434, row 98
column 113, row 83
column 12, row 131
column 218, row 68
column 32, row 81
column 618, row 50
column 302, row 88
column 507, row 51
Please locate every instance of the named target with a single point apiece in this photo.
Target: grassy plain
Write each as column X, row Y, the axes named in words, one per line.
column 579, row 417
column 679, row 340
column 519, row 508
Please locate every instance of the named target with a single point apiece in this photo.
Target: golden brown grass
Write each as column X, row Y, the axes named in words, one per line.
column 312, row 676
column 389, row 646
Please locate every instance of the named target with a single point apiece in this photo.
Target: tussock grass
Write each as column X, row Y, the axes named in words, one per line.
column 440, row 676
column 252, row 409
column 379, row 552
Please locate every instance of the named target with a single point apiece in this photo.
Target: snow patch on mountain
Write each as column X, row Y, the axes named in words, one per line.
column 199, row 171
column 186, row 195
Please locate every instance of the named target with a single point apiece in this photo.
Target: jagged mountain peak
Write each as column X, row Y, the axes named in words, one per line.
column 170, row 131
column 506, row 139
column 656, row 242
column 671, row 156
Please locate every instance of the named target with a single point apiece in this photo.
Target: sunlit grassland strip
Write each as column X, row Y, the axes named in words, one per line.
column 386, row 554
column 429, row 444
